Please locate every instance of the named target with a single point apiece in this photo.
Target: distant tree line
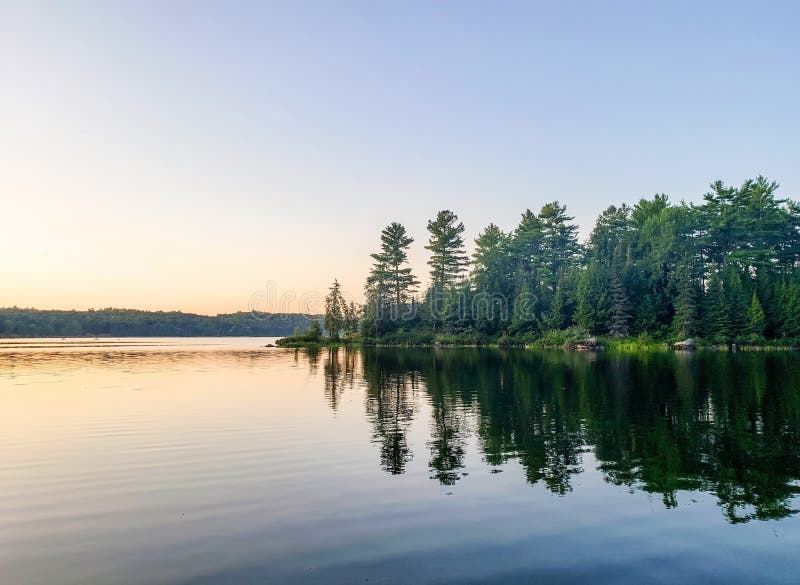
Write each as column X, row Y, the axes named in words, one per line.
column 15, row 322
column 724, row 270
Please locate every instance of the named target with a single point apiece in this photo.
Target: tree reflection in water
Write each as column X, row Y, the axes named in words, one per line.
column 340, row 373
column 391, row 400
column 663, row 423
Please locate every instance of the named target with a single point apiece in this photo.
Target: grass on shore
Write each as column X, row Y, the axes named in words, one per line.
column 570, row 338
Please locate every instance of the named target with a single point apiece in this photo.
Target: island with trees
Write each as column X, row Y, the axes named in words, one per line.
column 720, row 272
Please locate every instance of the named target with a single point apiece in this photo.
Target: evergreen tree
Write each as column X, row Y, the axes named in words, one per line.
column 612, row 229
column 655, row 267
column 716, row 313
column 390, row 269
column 684, row 324
column 492, row 279
column 768, row 290
column 314, row 331
column 390, row 282
column 448, row 259
column 593, row 299
column 376, row 291
column 554, row 319
column 620, row 317
column 756, row 319
column 559, row 242
column 334, row 310
column 528, row 251
column 790, row 311
column 524, row 310
column 350, row 324
column 736, row 302
column 492, row 261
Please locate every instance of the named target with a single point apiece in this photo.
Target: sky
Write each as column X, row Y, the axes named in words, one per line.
column 214, row 156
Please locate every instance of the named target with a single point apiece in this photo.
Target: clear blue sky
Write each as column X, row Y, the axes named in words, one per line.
column 182, row 155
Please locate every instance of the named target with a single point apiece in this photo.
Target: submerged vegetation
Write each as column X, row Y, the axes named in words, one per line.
column 723, row 271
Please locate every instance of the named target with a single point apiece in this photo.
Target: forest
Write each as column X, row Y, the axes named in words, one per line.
column 16, row 322
column 721, row 271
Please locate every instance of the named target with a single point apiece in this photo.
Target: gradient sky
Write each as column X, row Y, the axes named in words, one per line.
column 181, row 155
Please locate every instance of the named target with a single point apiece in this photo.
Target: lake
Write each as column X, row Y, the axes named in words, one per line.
column 205, row 461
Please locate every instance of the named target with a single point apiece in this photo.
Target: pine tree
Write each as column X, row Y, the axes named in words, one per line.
column 593, row 298
column 527, row 245
column 492, row 261
column 620, row 316
column 559, row 243
column 684, row 323
column 334, row 310
column 524, row 310
column 554, row 319
column 716, row 315
column 390, row 283
column 350, row 318
column 376, row 291
column 756, row 319
column 654, row 267
column 790, row 311
column 768, row 291
column 448, row 259
column 737, row 303
column 314, row 331
column 492, row 278
column 389, row 270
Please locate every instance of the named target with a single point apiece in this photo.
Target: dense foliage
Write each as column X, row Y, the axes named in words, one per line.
column 16, row 322
column 723, row 270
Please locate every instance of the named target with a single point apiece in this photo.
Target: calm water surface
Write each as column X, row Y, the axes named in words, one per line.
column 165, row 461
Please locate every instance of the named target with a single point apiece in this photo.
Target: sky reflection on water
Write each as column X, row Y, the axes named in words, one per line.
column 228, row 462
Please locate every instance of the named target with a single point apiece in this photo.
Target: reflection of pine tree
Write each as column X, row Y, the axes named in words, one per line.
column 312, row 356
column 338, row 375
column 563, row 458
column 447, row 443
column 672, row 424
column 527, row 414
column 390, row 407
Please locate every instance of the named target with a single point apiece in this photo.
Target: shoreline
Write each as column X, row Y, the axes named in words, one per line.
column 623, row 348
column 602, row 345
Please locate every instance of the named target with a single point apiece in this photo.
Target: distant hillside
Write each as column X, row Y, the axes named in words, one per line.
column 16, row 322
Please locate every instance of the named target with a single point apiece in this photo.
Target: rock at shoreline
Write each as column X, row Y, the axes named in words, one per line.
column 685, row 345
column 269, row 345
column 588, row 344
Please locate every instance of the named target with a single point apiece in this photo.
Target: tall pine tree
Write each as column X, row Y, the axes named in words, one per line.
column 756, row 319
column 684, row 323
column 620, row 315
column 390, row 267
column 448, row 259
column 335, row 310
column 716, row 313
